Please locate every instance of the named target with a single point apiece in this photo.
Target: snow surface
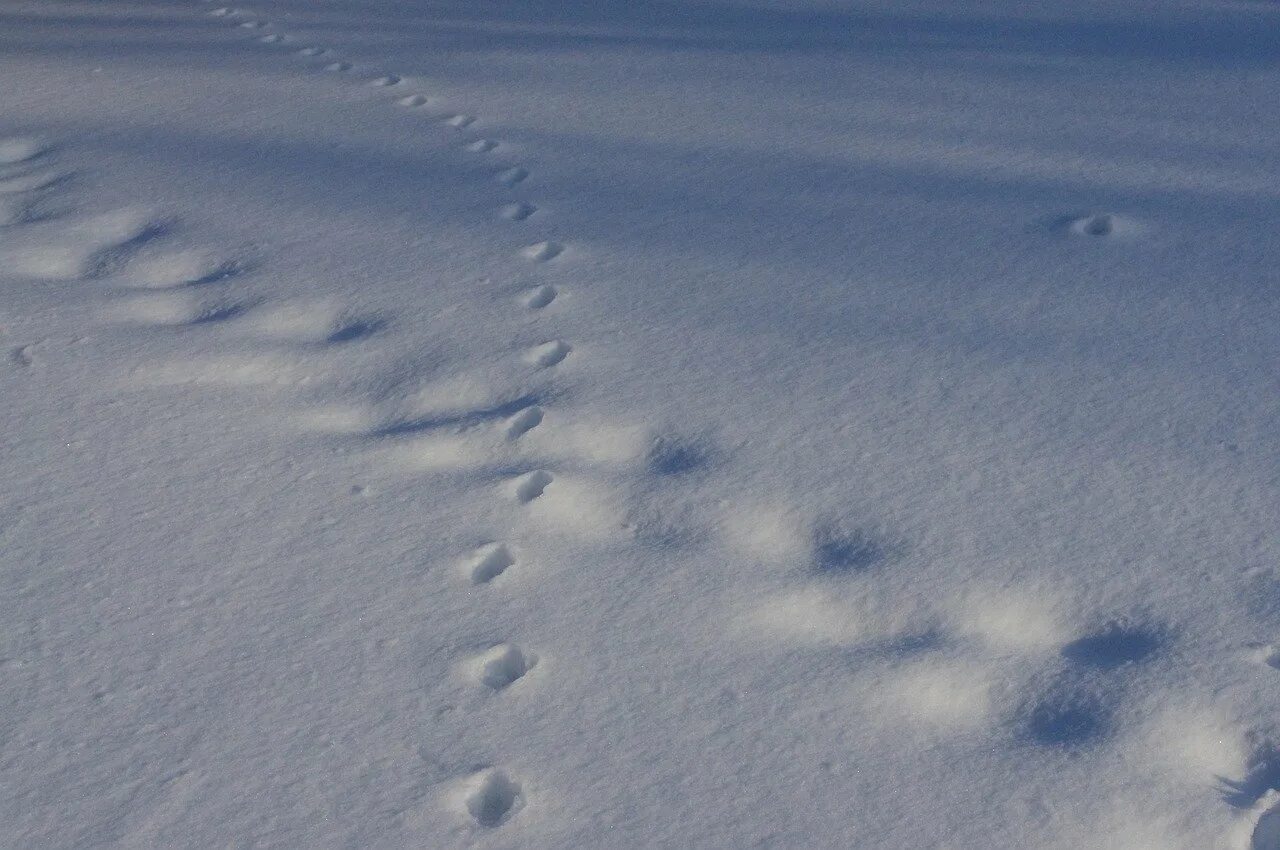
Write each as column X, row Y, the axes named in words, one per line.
column 661, row 423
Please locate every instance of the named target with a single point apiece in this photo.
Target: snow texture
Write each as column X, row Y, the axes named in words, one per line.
column 667, row 423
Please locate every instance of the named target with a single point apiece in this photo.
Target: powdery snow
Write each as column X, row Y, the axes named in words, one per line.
column 671, row 423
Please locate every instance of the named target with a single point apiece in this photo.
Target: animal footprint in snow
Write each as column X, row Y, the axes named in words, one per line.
column 26, row 183
column 1266, row 831
column 1117, row 645
column 512, row 176
column 319, row 322
column 189, row 267
column 540, row 297
column 312, row 51
column 272, row 39
column 385, row 81
column 460, row 121
column 23, row 356
column 338, row 67
column 1070, row 721
column 1094, row 225
column 675, row 456
column 14, row 211
column 492, row 798
column 171, row 310
column 517, row 211
column 531, row 486
column 1104, row 226
column 253, row 25
column 548, row 354
column 1265, row 653
column 543, row 251
column 482, row 146
column 19, row 195
column 943, row 695
column 19, row 149
column 503, row 665
column 413, row 101
column 523, row 422
column 82, row 250
column 489, row 562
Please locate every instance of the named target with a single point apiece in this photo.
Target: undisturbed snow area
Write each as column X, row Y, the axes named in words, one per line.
column 640, row 423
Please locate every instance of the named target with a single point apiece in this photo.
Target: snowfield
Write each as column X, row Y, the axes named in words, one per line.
column 640, row 424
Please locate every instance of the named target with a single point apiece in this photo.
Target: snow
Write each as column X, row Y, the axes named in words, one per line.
column 672, row 423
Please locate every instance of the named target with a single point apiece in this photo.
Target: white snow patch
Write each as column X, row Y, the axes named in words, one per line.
column 766, row 532
column 807, row 617
column 935, row 694
column 1009, row 619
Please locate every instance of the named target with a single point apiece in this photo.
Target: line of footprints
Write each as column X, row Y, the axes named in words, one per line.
column 1062, row 717
column 170, row 287
column 493, row 796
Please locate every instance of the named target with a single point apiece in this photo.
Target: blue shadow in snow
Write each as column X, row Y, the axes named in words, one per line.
column 1114, row 646
column 1263, row 776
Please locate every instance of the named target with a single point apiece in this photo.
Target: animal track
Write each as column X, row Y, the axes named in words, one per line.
column 19, row 149
column 523, row 422
column 503, row 665
column 838, row 552
column 668, row 456
column 493, row 798
column 20, row 193
column 1261, row 778
column 24, row 356
column 1114, row 646
column 173, row 310
column 532, row 485
column 543, row 251
column 1071, row 720
column 940, row 694
column 1105, row 226
column 489, row 562
column 87, row 249
column 457, row 406
column 188, row 267
column 1094, row 225
column 512, row 176
column 518, row 211
column 1268, row 654
column 33, row 182
column 1266, row 832
column 548, row 354
column 310, row 323
column 14, row 211
column 540, row 297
